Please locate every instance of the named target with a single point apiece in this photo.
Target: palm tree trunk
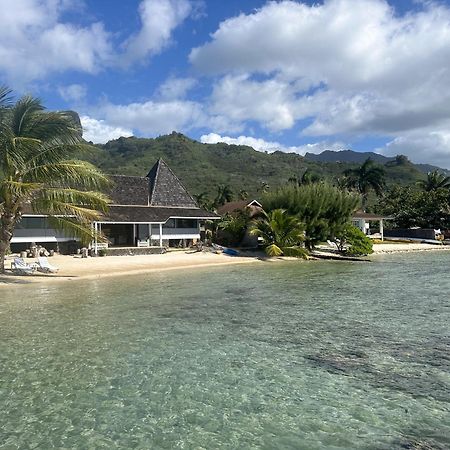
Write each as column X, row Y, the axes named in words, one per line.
column 6, row 233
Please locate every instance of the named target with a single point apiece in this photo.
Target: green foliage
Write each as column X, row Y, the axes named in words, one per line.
column 412, row 208
column 369, row 176
column 282, row 233
column 224, row 195
column 202, row 167
column 324, row 209
column 435, row 180
column 102, row 252
column 233, row 227
column 353, row 242
column 38, row 170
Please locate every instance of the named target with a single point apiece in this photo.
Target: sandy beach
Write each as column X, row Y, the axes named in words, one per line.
column 75, row 267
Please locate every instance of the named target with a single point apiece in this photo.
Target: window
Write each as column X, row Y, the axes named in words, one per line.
column 186, row 223
column 33, row 222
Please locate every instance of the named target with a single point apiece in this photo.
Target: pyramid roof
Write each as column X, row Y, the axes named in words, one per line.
column 166, row 189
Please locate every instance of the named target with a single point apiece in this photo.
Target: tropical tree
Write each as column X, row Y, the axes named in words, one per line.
column 38, row 170
column 263, row 187
column 322, row 208
column 309, row 177
column 434, row 181
column 243, row 194
column 233, row 227
column 203, row 201
column 282, row 234
column 224, row 195
column 369, row 176
column 352, row 241
column 410, row 207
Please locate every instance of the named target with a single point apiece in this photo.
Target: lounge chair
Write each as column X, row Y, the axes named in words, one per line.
column 20, row 267
column 45, row 267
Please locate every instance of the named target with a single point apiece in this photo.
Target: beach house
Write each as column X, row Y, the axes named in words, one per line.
column 146, row 212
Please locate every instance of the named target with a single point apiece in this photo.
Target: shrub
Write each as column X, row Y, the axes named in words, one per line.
column 353, row 242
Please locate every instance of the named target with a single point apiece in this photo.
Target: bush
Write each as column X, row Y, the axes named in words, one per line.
column 102, row 252
column 353, row 242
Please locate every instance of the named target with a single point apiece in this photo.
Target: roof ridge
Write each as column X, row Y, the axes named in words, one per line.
column 179, row 181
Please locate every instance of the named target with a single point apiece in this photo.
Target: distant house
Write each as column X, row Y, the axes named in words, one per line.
column 253, row 207
column 362, row 220
column 155, row 210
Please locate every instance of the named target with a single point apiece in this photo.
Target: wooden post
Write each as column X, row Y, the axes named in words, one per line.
column 160, row 235
column 95, row 239
column 381, row 230
column 149, row 234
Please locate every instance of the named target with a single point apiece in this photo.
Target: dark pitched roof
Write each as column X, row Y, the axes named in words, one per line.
column 154, row 214
column 253, row 206
column 128, row 190
column 166, row 189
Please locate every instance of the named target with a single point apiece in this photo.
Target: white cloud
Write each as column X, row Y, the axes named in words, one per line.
column 158, row 18
column 348, row 67
column 99, row 131
column 268, row 146
column 34, row 43
column 72, row 92
column 270, row 102
column 155, row 117
column 176, row 88
column 422, row 147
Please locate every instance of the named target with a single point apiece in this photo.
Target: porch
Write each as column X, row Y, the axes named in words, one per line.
column 146, row 235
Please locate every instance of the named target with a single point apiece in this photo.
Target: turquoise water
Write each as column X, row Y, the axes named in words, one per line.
column 295, row 355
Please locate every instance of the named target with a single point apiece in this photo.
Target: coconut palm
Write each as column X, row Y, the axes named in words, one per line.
column 281, row 233
column 369, row 176
column 38, row 171
column 434, row 181
column 243, row 194
column 224, row 195
column 203, row 200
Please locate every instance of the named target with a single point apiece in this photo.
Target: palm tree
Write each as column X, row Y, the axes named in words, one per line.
column 263, row 187
column 203, row 200
column 369, row 176
column 224, row 194
column 280, row 232
column 243, row 194
column 37, row 170
column 435, row 180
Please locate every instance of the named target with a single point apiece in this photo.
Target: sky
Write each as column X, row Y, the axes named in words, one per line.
column 295, row 76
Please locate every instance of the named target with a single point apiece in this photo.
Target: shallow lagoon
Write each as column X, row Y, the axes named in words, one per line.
column 309, row 355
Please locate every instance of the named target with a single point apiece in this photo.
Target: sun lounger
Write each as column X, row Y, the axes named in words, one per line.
column 45, row 267
column 20, row 267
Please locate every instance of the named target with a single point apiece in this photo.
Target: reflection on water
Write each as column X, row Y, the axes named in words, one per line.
column 308, row 355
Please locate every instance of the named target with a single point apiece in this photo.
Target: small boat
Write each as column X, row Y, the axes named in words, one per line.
column 230, row 251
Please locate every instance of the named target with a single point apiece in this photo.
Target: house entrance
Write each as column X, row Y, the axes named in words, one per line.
column 119, row 235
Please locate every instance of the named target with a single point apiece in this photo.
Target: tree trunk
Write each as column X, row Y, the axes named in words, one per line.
column 6, row 233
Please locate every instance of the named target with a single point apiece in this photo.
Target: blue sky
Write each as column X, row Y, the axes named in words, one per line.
column 369, row 75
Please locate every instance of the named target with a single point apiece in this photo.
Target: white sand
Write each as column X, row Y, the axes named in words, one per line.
column 71, row 268
column 405, row 247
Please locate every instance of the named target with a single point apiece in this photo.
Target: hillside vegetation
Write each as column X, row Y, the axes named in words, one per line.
column 202, row 167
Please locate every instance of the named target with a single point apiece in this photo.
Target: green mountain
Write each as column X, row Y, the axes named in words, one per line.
column 350, row 156
column 202, row 167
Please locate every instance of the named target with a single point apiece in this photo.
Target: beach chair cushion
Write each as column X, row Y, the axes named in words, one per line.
column 44, row 266
column 20, row 267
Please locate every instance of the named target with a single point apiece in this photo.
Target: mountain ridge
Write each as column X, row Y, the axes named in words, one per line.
column 202, row 167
